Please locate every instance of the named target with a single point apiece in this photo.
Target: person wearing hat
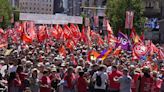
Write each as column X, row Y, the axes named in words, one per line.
column 145, row 82
column 135, row 75
column 55, row 78
column 156, row 82
column 125, row 81
column 113, row 85
column 34, row 81
column 69, row 81
column 101, row 79
column 82, row 82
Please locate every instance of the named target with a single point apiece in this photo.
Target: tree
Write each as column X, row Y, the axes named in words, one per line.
column 116, row 12
column 5, row 13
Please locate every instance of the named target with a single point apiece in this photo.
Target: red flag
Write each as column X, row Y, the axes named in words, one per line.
column 153, row 49
column 161, row 55
column 142, row 37
column 117, row 51
column 83, row 35
column 112, row 38
column 42, row 34
column 54, row 33
column 109, row 29
column 67, row 32
column 31, row 31
column 75, row 31
column 26, row 38
column 62, row 51
column 70, row 44
column 135, row 36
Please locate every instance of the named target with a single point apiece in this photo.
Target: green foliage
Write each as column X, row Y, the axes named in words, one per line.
column 116, row 12
column 5, row 11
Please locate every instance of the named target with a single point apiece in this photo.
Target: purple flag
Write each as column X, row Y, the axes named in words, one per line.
column 124, row 42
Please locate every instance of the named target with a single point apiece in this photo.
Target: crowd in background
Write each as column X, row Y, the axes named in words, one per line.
column 31, row 69
column 56, row 59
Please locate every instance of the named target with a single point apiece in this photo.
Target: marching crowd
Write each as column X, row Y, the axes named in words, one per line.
column 54, row 65
column 30, row 69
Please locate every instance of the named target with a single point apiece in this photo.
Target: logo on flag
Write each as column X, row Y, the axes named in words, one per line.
column 140, row 50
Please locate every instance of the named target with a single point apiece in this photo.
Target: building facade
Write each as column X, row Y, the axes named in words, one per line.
column 14, row 3
column 37, row 6
column 74, row 7
column 152, row 8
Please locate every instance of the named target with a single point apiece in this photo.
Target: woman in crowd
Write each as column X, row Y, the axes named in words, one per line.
column 34, row 81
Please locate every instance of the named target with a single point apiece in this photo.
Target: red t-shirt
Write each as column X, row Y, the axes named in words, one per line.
column 146, row 84
column 113, row 84
column 45, row 81
column 156, row 85
column 134, row 81
column 81, row 85
column 22, row 77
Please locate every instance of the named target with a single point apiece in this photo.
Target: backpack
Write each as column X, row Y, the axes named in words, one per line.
column 98, row 80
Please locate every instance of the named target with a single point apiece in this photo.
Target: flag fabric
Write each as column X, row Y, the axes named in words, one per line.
column 109, row 29
column 67, row 32
column 104, row 54
column 55, row 33
column 62, row 51
column 26, row 38
column 123, row 41
column 161, row 55
column 70, row 45
column 142, row 37
column 42, row 34
column 83, row 35
column 135, row 36
column 95, row 54
column 112, row 38
column 3, row 38
column 140, row 50
column 117, row 51
column 153, row 49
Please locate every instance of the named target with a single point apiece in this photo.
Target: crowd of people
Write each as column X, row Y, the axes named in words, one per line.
column 31, row 69
column 31, row 66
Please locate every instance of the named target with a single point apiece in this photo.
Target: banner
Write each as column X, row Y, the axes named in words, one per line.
column 129, row 19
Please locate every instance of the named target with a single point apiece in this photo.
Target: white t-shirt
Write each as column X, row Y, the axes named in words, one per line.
column 12, row 68
column 104, row 78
